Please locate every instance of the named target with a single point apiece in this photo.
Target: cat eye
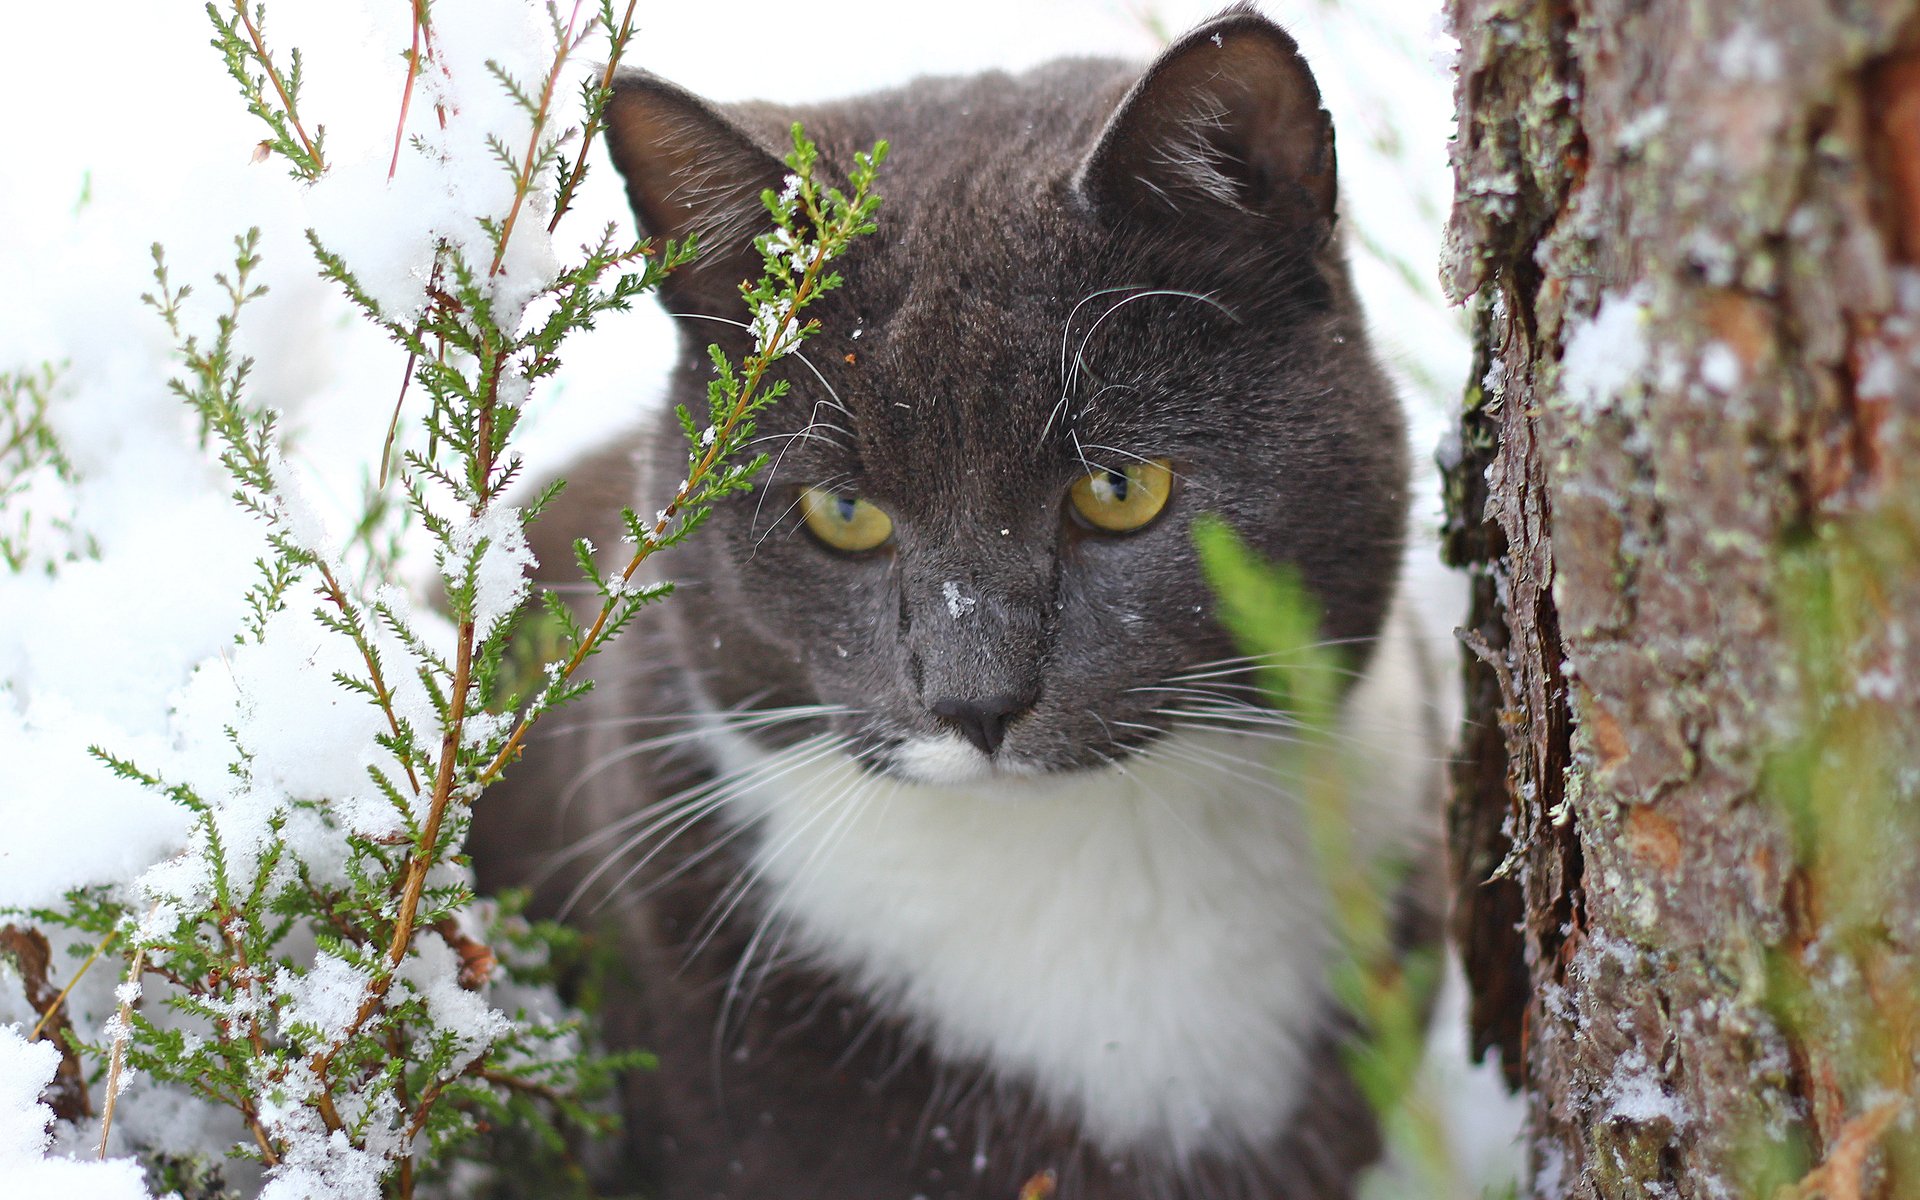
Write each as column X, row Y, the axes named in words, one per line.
column 1123, row 499
column 844, row 522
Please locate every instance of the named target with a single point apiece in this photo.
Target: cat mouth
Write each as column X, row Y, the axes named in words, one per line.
column 949, row 758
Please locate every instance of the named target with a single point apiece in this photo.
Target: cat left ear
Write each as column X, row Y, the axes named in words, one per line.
column 1228, row 118
column 691, row 172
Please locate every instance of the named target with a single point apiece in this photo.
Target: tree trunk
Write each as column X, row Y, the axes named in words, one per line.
column 1687, row 820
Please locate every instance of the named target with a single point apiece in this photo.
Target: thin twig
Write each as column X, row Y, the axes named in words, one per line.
column 523, row 182
column 383, row 695
column 393, row 424
column 117, row 1058
column 757, row 369
column 406, row 102
column 273, row 75
column 61, row 999
column 618, row 46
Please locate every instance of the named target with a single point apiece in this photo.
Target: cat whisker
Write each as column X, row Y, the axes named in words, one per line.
column 1087, row 405
column 850, row 804
column 812, row 431
column 1268, row 776
column 748, row 719
column 687, row 807
column 792, row 504
column 1140, row 458
column 844, row 806
column 833, row 400
column 766, row 486
column 808, row 362
column 1269, row 725
column 1079, row 355
column 740, row 717
column 1066, row 333
column 1079, row 451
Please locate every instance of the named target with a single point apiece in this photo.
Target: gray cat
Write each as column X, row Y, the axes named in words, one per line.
column 934, row 815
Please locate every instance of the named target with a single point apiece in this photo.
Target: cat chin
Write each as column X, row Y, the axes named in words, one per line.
column 951, row 759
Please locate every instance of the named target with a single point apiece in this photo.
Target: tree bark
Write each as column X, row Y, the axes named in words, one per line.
column 1686, row 824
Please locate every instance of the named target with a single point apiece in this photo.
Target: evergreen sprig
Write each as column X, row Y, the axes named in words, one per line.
column 315, row 1002
column 29, row 450
column 240, row 37
column 813, row 226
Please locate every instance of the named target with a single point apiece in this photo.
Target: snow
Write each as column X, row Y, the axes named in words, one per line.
column 768, row 325
column 957, row 605
column 434, row 973
column 501, row 578
column 1606, row 354
column 1720, row 367
column 325, row 998
column 25, row 1069
column 135, row 650
column 1747, row 54
column 1636, row 1092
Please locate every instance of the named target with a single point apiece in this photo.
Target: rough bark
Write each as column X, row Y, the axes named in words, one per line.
column 1687, row 818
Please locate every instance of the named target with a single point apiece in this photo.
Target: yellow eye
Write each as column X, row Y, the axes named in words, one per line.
column 1121, row 500
column 844, row 522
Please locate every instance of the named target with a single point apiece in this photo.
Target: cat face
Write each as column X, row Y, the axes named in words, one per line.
column 1100, row 304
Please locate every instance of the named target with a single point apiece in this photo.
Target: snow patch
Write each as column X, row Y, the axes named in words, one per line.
column 1720, row 367
column 1608, row 354
column 26, row 1068
column 327, row 997
column 957, row 605
column 500, row 578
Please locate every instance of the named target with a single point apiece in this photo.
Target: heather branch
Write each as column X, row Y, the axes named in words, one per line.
column 421, row 49
column 530, row 165
column 308, row 158
column 597, row 97
column 779, row 331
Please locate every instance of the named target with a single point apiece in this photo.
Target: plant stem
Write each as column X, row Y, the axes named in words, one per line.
column 618, row 42
column 523, row 182
column 756, row 371
column 383, row 695
column 273, row 75
column 117, row 1058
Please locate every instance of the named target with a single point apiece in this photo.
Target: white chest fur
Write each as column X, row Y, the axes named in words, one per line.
column 1143, row 947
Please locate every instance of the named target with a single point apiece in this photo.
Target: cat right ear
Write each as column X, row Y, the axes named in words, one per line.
column 690, row 172
column 1228, row 122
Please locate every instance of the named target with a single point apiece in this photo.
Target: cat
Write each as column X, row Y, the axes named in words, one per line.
column 933, row 815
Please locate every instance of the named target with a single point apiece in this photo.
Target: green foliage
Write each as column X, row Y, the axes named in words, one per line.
column 1384, row 988
column 343, row 991
column 1844, row 985
column 30, row 450
column 241, row 39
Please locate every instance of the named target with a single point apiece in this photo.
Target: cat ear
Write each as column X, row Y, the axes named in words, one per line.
column 1228, row 118
column 691, row 172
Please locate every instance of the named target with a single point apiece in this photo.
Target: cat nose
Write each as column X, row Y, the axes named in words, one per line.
column 984, row 721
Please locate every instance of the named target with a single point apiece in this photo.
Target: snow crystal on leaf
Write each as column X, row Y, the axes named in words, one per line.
column 434, row 973
column 327, row 997
column 318, row 1165
column 767, row 323
column 500, row 580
